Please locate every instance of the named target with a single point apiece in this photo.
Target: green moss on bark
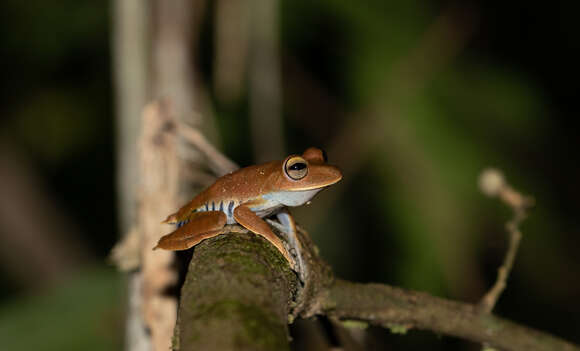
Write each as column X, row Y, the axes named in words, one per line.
column 236, row 296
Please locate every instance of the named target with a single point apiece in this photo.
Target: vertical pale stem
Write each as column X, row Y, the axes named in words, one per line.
column 173, row 74
column 158, row 190
column 173, row 82
column 130, row 23
column 130, row 51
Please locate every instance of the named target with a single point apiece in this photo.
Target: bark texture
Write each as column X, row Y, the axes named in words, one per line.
column 240, row 294
column 237, row 296
column 400, row 310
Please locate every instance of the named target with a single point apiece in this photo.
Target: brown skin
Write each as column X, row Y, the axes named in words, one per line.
column 252, row 182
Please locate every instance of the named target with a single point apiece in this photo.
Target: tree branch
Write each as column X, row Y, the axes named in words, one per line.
column 239, row 294
column 492, row 183
column 400, row 309
column 219, row 163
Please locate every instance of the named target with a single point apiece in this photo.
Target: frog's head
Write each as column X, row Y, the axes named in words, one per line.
column 301, row 177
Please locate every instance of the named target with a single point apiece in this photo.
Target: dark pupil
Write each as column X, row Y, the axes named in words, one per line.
column 297, row 166
column 324, row 156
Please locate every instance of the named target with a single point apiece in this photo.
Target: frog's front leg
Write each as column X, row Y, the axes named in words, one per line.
column 288, row 227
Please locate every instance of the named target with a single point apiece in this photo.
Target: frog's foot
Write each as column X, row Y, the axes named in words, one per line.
column 191, row 231
column 287, row 227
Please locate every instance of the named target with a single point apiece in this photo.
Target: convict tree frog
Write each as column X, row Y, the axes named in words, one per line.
column 250, row 194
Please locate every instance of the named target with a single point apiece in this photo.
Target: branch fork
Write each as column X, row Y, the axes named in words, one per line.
column 493, row 184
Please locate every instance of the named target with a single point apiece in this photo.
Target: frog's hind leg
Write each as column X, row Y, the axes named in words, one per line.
column 199, row 226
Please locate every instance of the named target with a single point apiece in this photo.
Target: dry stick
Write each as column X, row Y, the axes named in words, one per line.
column 130, row 22
column 171, row 54
column 158, row 193
column 489, row 300
column 219, row 163
column 492, row 183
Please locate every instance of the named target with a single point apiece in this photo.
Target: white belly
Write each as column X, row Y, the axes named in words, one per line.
column 292, row 198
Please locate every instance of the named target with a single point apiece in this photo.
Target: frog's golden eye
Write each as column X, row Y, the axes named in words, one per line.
column 296, row 168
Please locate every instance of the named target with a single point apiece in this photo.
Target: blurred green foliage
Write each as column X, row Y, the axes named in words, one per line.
column 81, row 313
column 409, row 213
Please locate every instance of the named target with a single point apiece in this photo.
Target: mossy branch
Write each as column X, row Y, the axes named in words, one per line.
column 236, row 296
column 391, row 307
column 240, row 294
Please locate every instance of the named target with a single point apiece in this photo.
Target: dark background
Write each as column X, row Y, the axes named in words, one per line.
column 499, row 90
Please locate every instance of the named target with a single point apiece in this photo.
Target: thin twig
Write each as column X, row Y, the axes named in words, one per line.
column 219, row 163
column 492, row 183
